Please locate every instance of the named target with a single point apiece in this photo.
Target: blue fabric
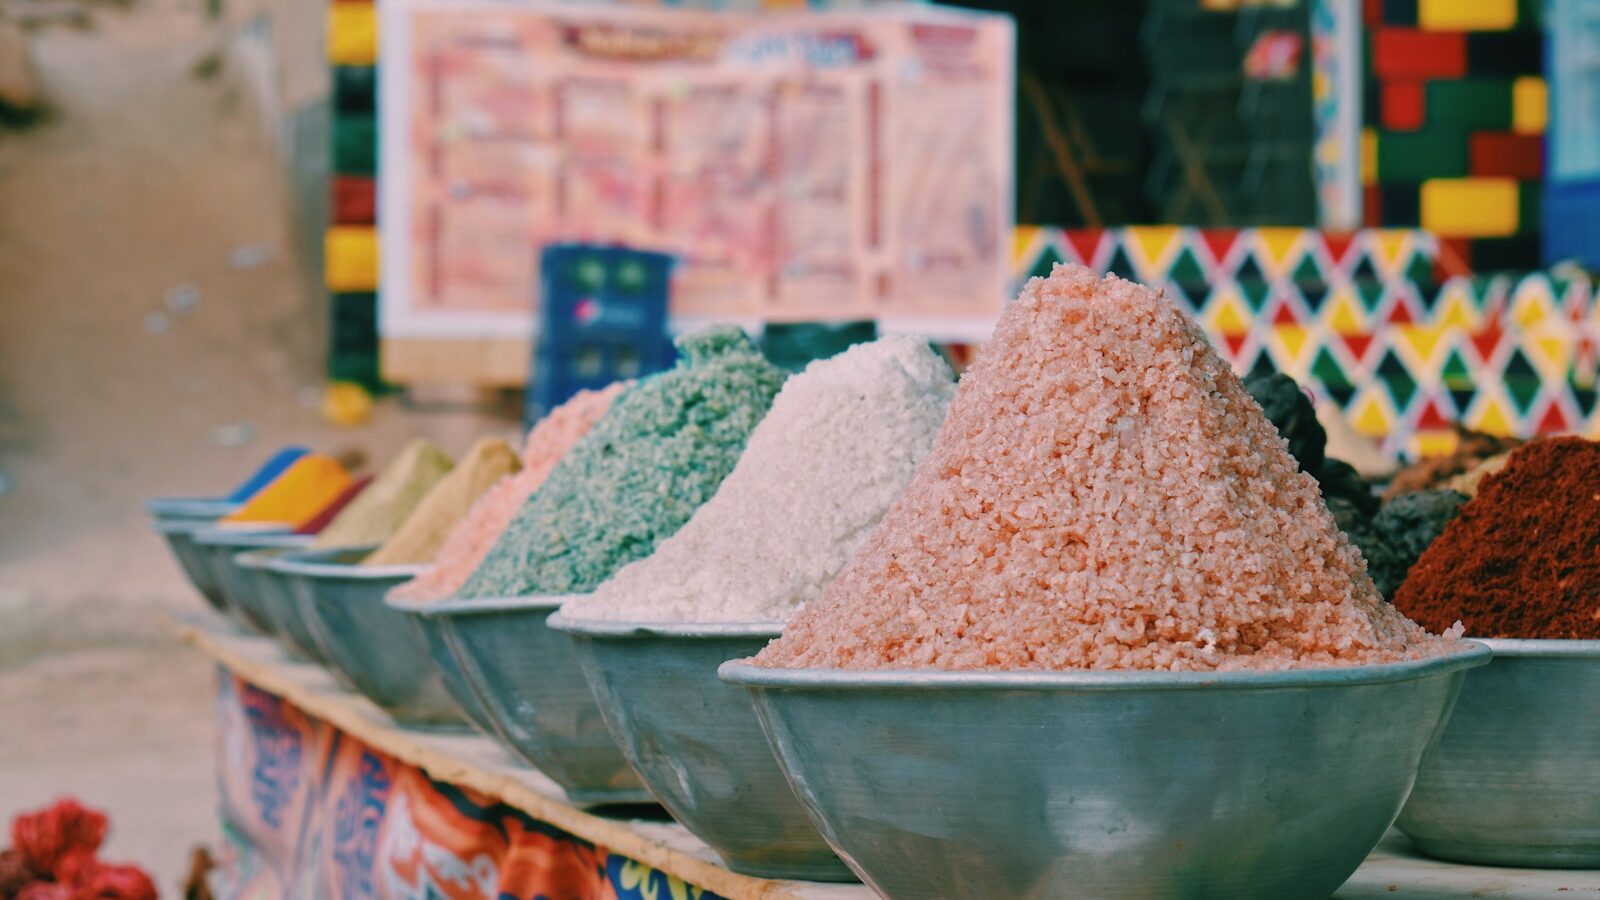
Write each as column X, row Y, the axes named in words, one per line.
column 264, row 476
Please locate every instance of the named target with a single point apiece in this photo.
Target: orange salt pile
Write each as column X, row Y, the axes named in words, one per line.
column 1103, row 495
column 302, row 490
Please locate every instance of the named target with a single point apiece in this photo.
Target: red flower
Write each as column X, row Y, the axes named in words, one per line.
column 46, row 836
column 46, row 890
column 15, row 873
column 117, row 882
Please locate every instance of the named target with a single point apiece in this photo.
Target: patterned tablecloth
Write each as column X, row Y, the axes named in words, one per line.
column 310, row 811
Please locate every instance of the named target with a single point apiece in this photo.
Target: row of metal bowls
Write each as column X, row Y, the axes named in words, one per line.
column 980, row 784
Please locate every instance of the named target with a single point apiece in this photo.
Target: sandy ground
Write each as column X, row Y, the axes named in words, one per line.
column 147, row 177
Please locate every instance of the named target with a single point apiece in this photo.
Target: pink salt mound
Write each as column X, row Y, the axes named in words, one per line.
column 1103, row 495
column 470, row 541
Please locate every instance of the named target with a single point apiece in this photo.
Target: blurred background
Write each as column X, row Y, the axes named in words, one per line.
column 1395, row 202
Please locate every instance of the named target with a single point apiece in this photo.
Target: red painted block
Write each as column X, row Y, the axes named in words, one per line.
column 1506, row 154
column 1403, row 105
column 1372, row 13
column 1372, row 206
column 1413, row 53
column 355, row 200
column 1455, row 258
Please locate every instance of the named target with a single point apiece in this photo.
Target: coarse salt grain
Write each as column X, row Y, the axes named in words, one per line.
column 839, row 444
column 658, row 454
column 469, row 542
column 1103, row 495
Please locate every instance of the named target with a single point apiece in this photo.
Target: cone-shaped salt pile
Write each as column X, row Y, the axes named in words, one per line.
column 1103, row 495
column 422, row 533
column 331, row 510
column 470, row 541
column 660, row 452
column 837, row 447
column 305, row 486
column 379, row 509
column 264, row 475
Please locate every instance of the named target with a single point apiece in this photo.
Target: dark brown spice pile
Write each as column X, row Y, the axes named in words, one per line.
column 1522, row 560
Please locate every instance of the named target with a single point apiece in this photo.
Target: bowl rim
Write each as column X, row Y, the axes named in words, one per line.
column 260, row 558
column 252, row 537
column 628, row 629
column 1466, row 655
column 471, row 606
column 190, row 527
column 189, row 506
column 1542, row 648
column 408, row 604
column 313, row 563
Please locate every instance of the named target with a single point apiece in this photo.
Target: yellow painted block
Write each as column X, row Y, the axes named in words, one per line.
column 1466, row 15
column 1470, row 207
column 1370, row 418
column 1369, row 156
column 1530, row 105
column 1435, row 443
column 1022, row 237
column 1493, row 419
column 351, row 258
column 352, row 34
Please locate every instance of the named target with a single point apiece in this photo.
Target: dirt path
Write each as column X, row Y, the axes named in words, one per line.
column 147, row 178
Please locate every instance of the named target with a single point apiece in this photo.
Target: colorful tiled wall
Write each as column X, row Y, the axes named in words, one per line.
column 1372, row 320
column 351, row 244
column 1455, row 109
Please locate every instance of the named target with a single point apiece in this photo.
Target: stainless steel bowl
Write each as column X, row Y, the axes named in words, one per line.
column 1515, row 779
column 444, row 659
column 537, row 700
column 1105, row 784
column 372, row 648
column 276, row 598
column 219, row 546
column 696, row 741
column 179, row 535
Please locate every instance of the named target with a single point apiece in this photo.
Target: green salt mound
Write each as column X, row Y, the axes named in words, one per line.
column 632, row 481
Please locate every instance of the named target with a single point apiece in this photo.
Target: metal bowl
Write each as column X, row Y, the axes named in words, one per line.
column 1105, row 784
column 372, row 648
column 171, row 508
column 444, row 659
column 537, row 701
column 179, row 535
column 696, row 741
column 1515, row 779
column 276, row 598
column 219, row 546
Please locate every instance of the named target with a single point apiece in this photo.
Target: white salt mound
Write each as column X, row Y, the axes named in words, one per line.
column 839, row 444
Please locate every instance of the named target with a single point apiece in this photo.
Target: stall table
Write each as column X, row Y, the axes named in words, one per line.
column 322, row 795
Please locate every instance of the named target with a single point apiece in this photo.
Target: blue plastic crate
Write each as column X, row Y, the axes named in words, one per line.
column 603, row 318
column 1572, row 222
column 610, row 293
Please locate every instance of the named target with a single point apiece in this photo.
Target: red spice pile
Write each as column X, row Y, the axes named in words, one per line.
column 1523, row 558
column 53, row 857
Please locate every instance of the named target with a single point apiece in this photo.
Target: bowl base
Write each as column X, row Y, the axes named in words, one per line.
column 617, row 797
column 834, row 870
column 1494, row 853
column 453, row 726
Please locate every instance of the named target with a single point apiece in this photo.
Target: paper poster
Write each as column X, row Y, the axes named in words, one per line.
column 801, row 166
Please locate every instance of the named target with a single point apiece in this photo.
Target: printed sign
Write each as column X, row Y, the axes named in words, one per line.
column 800, row 166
